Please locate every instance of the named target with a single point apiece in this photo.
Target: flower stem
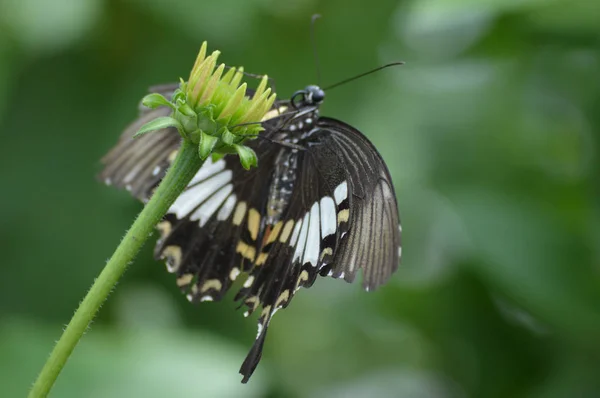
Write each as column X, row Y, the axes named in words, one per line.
column 185, row 166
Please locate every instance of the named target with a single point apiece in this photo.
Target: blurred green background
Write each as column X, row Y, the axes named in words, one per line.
column 491, row 133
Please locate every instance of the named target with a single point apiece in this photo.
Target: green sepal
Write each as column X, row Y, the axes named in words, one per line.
column 247, row 156
column 206, row 144
column 186, row 110
column 182, row 88
column 155, row 100
column 206, row 121
column 158, row 124
column 226, row 136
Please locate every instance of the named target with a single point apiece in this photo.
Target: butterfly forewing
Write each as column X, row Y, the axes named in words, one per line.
column 139, row 164
column 212, row 227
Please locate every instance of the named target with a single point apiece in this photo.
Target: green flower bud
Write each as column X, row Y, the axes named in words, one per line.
column 212, row 109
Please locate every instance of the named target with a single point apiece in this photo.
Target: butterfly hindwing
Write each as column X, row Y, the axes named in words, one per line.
column 373, row 240
column 318, row 218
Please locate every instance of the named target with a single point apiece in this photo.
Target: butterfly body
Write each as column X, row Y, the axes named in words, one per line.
column 320, row 202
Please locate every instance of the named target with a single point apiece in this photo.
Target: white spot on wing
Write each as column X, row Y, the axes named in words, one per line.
column 234, row 273
column 311, row 252
column 341, row 192
column 156, row 171
column 227, row 208
column 302, row 239
column 328, row 216
column 208, row 208
column 208, row 169
column 249, row 281
column 295, row 233
column 193, row 196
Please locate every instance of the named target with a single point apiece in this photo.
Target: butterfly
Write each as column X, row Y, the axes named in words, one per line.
column 320, row 203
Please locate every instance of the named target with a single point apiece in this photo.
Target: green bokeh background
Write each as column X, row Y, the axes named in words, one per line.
column 491, row 135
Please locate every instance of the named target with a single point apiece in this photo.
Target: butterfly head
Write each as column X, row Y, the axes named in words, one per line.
column 311, row 96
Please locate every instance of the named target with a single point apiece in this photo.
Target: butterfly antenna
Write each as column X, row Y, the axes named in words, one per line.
column 314, row 46
column 363, row 74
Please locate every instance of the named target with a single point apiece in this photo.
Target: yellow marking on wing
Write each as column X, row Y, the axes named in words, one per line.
column 301, row 278
column 274, row 233
column 173, row 255
column 211, row 284
column 184, row 280
column 253, row 223
column 265, row 312
column 283, row 297
column 240, row 212
column 287, row 230
column 164, row 228
column 326, row 252
column 172, row 155
column 262, row 258
column 246, row 250
column 252, row 300
column 343, row 216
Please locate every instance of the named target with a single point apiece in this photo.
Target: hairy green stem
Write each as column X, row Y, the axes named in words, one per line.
column 184, row 167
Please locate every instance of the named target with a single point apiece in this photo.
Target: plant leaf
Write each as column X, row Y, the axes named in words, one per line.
column 226, row 136
column 155, row 100
column 159, row 124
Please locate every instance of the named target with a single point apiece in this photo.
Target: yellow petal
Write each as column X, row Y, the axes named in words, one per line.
column 270, row 103
column 229, row 75
column 203, row 73
column 253, row 114
column 266, row 106
column 237, row 78
column 212, row 84
column 261, row 87
column 234, row 102
column 195, row 76
column 199, row 58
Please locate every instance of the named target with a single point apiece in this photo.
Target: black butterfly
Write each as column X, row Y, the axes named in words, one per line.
column 320, row 202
